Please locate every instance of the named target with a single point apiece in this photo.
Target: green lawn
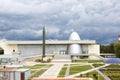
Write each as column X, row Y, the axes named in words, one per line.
column 63, row 70
column 91, row 75
column 88, row 61
column 32, row 71
column 77, row 69
column 35, row 67
column 39, row 73
column 97, row 65
column 113, row 75
column 113, row 66
column 112, row 71
column 35, row 70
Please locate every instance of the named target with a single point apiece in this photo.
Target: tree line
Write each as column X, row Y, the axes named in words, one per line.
column 111, row 48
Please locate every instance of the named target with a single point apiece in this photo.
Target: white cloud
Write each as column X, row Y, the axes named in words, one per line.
column 60, row 15
column 68, row 31
column 51, row 30
column 28, row 7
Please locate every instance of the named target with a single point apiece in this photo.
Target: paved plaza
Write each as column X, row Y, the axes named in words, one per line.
column 52, row 72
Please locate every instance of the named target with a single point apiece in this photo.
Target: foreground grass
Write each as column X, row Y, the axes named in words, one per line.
column 34, row 68
column 63, row 71
column 77, row 69
column 39, row 73
column 32, row 71
column 97, row 65
column 36, row 71
column 112, row 71
column 88, row 61
column 113, row 66
column 91, row 75
column 113, row 75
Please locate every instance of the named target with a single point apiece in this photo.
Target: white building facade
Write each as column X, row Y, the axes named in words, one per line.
column 88, row 48
column 34, row 48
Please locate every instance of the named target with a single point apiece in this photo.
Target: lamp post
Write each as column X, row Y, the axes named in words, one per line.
column 43, row 51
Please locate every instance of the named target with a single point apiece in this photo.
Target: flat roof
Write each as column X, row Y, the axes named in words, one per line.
column 7, row 70
column 54, row 42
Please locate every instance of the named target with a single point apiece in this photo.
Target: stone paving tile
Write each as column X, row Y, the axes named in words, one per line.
column 52, row 72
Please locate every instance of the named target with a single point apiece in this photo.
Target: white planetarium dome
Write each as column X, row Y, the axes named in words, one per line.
column 74, row 36
column 74, row 48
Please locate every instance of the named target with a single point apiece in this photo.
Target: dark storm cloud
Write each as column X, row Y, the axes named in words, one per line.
column 92, row 19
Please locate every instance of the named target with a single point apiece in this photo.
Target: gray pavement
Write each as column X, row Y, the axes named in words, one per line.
column 53, row 71
column 68, row 70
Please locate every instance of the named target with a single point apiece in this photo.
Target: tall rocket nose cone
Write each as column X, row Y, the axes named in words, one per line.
column 74, row 36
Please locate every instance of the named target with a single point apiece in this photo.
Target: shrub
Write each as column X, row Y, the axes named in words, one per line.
column 38, row 60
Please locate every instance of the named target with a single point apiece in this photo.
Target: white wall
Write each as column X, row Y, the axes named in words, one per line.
column 8, row 49
column 94, row 49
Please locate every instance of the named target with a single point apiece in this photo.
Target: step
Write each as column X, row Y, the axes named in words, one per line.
column 61, row 61
column 62, row 57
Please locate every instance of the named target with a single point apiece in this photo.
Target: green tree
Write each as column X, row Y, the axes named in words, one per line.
column 111, row 48
column 117, row 49
column 107, row 48
column 102, row 48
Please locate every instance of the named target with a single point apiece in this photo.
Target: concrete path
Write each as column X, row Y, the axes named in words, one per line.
column 68, row 70
column 37, row 70
column 103, row 75
column 52, row 72
column 84, row 72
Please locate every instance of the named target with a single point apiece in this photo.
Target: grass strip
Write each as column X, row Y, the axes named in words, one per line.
column 77, row 69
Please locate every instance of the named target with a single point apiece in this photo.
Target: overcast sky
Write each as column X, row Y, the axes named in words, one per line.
column 93, row 19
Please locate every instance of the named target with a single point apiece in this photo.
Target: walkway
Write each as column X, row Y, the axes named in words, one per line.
column 68, row 70
column 103, row 75
column 84, row 72
column 52, row 72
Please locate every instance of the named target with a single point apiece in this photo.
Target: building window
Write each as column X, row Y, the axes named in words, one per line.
column 13, row 50
column 1, row 51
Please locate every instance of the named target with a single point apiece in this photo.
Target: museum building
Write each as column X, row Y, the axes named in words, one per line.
column 74, row 47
